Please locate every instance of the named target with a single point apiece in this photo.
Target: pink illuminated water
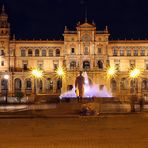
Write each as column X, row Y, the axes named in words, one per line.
column 89, row 90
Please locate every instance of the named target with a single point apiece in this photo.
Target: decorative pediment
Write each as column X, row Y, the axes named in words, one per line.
column 86, row 25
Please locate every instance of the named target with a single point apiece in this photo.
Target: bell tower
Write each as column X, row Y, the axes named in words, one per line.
column 4, row 25
column 4, row 41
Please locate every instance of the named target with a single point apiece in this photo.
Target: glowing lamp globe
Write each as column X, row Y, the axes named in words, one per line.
column 135, row 73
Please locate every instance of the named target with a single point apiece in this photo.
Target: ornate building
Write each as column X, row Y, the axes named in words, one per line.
column 84, row 49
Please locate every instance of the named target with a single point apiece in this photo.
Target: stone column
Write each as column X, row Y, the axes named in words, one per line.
column 23, row 85
column 139, row 86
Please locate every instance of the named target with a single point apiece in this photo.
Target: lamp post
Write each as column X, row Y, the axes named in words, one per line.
column 134, row 74
column 6, row 78
column 37, row 74
column 111, row 73
column 60, row 74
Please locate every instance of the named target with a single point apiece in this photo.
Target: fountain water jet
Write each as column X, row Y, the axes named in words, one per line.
column 90, row 90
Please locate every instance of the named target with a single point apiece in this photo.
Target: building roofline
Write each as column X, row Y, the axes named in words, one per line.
column 38, row 41
column 128, row 41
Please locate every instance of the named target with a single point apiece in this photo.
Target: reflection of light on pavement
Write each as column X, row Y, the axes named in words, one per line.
column 26, row 107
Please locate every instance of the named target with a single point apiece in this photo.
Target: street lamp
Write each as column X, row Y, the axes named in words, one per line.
column 37, row 74
column 134, row 74
column 6, row 77
column 111, row 72
column 60, row 74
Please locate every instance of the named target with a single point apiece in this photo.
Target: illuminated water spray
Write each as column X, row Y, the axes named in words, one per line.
column 90, row 90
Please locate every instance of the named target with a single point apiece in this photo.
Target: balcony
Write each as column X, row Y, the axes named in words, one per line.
column 18, row 69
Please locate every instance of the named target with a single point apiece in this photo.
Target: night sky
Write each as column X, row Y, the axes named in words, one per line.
column 46, row 19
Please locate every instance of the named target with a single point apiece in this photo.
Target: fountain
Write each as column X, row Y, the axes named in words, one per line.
column 90, row 90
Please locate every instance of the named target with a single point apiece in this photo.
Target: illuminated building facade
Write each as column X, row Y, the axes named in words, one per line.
column 84, row 49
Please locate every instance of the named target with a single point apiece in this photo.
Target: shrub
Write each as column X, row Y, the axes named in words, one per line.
column 19, row 96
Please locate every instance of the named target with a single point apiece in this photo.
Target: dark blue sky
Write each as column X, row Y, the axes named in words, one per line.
column 47, row 18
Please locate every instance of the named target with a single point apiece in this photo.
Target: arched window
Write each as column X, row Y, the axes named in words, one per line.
column 134, row 86
column 40, row 85
column 72, row 64
column 145, row 84
column 123, row 84
column 86, row 65
column 50, row 53
column 17, row 84
column 49, row 84
column 4, row 86
column 100, row 64
column 113, row 85
column 28, row 84
column 37, row 53
column 57, row 52
column 30, row 52
column 59, row 84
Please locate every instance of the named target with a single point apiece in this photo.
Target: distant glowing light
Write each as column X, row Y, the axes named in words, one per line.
column 134, row 73
column 6, row 77
column 111, row 72
column 37, row 73
column 60, row 72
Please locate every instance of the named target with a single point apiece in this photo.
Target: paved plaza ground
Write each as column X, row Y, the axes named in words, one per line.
column 105, row 131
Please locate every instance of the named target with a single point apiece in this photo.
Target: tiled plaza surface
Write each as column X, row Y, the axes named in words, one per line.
column 109, row 131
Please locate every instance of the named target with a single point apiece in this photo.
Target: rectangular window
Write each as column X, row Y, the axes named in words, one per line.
column 2, row 63
column 146, row 66
column 23, row 53
column 55, row 66
column 128, row 52
column 132, row 64
column 99, row 51
column 25, row 65
column 40, row 64
column 135, row 52
column 50, row 53
column 115, row 52
column 142, row 52
column 117, row 66
column 44, row 53
column 86, row 51
column 121, row 52
column 72, row 50
column 2, row 52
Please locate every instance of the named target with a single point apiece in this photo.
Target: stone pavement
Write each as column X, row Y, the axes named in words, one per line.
column 124, row 131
